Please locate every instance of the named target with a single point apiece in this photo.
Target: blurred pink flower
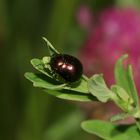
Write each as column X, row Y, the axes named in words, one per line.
column 117, row 31
column 84, row 17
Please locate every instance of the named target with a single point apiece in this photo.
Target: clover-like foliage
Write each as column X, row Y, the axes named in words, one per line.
column 123, row 93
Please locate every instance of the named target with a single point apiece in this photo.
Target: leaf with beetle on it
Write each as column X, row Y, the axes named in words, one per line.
column 59, row 90
column 41, row 81
column 76, row 90
column 61, row 76
column 80, row 86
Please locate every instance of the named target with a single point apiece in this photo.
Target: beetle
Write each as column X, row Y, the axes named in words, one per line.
column 68, row 67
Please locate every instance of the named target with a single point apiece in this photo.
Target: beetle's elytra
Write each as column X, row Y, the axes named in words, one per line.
column 66, row 66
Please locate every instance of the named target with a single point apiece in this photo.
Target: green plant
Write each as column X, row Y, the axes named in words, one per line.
column 123, row 93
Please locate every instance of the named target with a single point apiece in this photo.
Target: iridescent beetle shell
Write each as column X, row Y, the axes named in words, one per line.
column 67, row 67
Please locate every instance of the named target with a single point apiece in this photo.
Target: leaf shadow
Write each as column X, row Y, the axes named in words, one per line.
column 74, row 84
column 48, row 79
column 56, row 82
column 91, row 97
column 122, row 129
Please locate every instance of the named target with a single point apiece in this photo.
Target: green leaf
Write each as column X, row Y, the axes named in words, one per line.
column 39, row 65
column 52, row 50
column 121, row 93
column 120, row 73
column 59, row 90
column 124, row 78
column 41, row 81
column 80, row 86
column 108, row 131
column 46, row 60
column 132, row 86
column 98, row 88
column 71, row 95
column 122, row 99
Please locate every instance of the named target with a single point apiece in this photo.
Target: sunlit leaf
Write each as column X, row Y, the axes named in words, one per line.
column 122, row 98
column 99, row 89
column 124, row 78
column 132, row 86
column 46, row 60
column 108, row 131
column 59, row 90
column 120, row 73
column 39, row 65
column 80, row 86
column 41, row 81
column 71, row 95
column 121, row 93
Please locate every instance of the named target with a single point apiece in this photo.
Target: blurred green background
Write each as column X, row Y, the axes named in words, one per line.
column 26, row 112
